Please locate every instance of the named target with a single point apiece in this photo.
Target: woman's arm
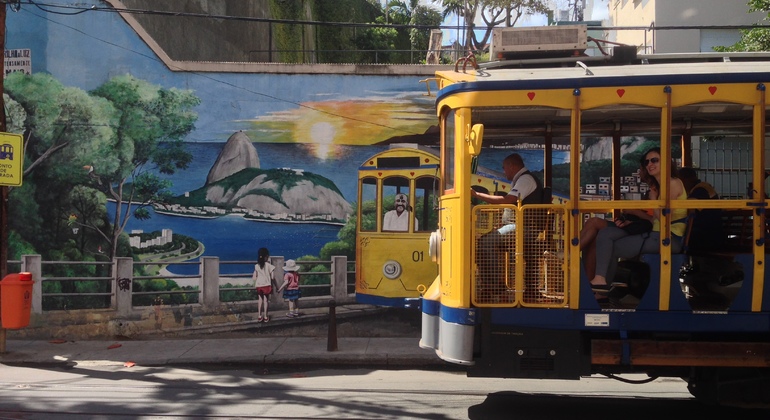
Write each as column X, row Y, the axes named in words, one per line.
column 675, row 189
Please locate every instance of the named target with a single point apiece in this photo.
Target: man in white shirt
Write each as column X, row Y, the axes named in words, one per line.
column 525, row 187
column 398, row 218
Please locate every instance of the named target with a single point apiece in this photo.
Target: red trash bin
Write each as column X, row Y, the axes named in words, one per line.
column 16, row 300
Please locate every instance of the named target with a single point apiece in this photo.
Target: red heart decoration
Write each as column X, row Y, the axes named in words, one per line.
column 713, row 89
column 379, row 173
column 621, row 92
column 531, row 95
column 411, row 173
column 479, row 180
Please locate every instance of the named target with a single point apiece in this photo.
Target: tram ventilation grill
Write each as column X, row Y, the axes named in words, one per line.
column 539, row 39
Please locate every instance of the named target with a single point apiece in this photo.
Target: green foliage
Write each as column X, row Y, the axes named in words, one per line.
column 283, row 179
column 97, row 141
column 15, row 115
column 163, row 285
column 369, row 216
column 226, row 295
column 75, row 286
column 423, row 16
column 338, row 248
column 288, row 37
column 18, row 247
column 152, row 124
column 24, row 215
column 307, row 267
column 757, row 39
column 335, row 43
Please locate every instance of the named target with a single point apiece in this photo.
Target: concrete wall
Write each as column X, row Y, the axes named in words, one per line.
column 203, row 39
column 645, row 13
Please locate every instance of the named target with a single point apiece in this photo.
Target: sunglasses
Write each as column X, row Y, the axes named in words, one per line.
column 650, row 160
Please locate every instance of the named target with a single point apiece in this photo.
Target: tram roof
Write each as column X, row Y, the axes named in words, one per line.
column 649, row 70
column 655, row 69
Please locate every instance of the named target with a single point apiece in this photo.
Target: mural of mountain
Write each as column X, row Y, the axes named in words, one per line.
column 279, row 192
column 239, row 153
column 236, row 184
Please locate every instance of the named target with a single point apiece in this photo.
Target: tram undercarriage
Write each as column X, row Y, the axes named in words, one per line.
column 725, row 372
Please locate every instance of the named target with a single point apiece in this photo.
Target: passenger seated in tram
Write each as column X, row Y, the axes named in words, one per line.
column 524, row 186
column 398, row 218
column 622, row 227
column 609, row 248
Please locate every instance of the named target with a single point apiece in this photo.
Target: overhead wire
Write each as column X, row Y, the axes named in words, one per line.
column 199, row 74
column 81, row 9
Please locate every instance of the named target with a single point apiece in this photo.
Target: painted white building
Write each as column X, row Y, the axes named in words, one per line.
column 666, row 13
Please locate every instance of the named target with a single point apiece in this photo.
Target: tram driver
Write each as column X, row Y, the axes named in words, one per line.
column 398, row 218
column 525, row 187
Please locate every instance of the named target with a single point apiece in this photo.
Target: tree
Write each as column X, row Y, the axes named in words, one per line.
column 64, row 124
column 757, row 39
column 493, row 13
column 88, row 217
column 424, row 17
column 151, row 125
column 14, row 114
column 64, row 127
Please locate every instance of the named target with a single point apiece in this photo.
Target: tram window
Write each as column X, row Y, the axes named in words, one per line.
column 425, row 199
column 597, row 178
column 368, row 205
column 448, row 149
column 397, row 209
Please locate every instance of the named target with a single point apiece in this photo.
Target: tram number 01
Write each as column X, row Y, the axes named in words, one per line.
column 418, row 256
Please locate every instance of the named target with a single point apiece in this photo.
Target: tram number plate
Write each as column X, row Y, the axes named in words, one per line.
column 597, row 320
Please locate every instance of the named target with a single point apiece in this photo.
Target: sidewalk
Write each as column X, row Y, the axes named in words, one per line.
column 351, row 351
column 262, row 348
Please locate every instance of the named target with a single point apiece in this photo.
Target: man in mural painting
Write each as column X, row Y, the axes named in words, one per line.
column 398, row 218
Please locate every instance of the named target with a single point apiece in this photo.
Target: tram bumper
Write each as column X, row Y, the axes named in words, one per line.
column 448, row 331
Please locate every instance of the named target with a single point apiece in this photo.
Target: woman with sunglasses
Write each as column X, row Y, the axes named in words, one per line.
column 594, row 225
column 609, row 249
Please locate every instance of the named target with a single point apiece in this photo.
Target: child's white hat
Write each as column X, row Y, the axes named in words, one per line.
column 290, row 266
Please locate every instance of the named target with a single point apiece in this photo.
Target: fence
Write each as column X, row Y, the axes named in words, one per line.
column 121, row 289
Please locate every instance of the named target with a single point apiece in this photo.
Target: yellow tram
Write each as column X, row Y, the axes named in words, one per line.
column 542, row 319
column 395, row 216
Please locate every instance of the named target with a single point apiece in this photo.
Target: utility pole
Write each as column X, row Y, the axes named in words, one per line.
column 3, row 189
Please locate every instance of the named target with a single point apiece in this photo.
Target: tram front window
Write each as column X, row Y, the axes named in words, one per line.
column 368, row 205
column 396, row 208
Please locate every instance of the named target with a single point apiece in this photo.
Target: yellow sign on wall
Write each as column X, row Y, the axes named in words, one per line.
column 11, row 159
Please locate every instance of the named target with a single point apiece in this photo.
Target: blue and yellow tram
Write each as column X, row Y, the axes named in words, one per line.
column 541, row 319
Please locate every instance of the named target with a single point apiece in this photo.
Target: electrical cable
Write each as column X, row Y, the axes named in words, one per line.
column 213, row 79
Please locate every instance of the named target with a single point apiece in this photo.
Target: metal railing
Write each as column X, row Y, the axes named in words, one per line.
column 119, row 285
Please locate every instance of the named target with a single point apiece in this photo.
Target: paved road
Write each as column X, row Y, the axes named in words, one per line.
column 256, row 391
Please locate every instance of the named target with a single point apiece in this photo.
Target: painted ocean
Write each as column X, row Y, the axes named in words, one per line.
column 232, row 238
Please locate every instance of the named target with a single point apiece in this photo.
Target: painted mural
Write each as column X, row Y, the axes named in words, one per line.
column 273, row 157
column 255, row 160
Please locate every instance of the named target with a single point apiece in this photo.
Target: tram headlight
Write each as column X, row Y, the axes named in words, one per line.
column 391, row 269
column 434, row 246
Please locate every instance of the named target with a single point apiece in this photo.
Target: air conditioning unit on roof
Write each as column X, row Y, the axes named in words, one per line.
column 538, row 41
